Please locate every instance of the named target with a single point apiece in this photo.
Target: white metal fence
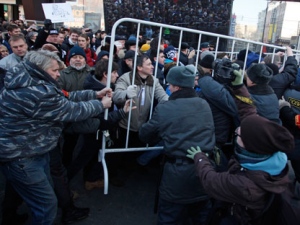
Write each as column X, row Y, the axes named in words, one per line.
column 230, row 50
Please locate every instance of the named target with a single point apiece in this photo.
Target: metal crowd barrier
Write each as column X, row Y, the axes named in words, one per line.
column 231, row 51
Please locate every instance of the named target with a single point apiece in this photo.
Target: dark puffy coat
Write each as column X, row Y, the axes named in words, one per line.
column 223, row 107
column 282, row 81
column 266, row 102
column 183, row 121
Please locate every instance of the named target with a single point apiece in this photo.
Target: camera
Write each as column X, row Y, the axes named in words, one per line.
column 223, row 70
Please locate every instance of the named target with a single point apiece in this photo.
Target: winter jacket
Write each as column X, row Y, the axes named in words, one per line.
column 282, row 81
column 33, row 109
column 41, row 40
column 143, row 100
column 10, row 61
column 246, row 190
column 185, row 60
column 159, row 73
column 222, row 104
column 72, row 79
column 266, row 102
column 183, row 121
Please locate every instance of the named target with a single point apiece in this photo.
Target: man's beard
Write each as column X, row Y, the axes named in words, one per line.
column 77, row 67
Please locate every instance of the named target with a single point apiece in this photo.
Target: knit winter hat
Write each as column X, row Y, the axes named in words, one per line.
column 170, row 52
column 207, row 61
column 145, row 48
column 101, row 54
column 182, row 76
column 263, row 136
column 260, row 73
column 76, row 50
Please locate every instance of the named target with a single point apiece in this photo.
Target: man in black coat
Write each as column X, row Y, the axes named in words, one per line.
column 180, row 122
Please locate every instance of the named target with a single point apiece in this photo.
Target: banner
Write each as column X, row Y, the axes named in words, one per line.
column 58, row 12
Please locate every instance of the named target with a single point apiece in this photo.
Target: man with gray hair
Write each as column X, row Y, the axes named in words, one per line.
column 33, row 109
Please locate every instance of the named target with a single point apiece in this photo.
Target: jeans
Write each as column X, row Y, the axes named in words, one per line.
column 60, row 179
column 196, row 213
column 30, row 177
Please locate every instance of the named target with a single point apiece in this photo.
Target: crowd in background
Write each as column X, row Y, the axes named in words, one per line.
column 213, row 16
column 227, row 112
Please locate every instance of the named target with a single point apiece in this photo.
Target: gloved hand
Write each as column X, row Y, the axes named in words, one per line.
column 192, row 152
column 131, row 91
column 47, row 24
column 283, row 103
column 238, row 78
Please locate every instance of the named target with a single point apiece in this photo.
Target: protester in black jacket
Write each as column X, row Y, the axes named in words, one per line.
column 280, row 82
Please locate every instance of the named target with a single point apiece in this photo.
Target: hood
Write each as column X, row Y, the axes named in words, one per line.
column 274, row 184
column 26, row 74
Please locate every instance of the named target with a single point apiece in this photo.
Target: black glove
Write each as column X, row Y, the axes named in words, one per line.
column 47, row 24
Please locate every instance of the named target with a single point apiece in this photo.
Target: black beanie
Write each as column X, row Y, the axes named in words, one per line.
column 263, row 136
column 260, row 73
column 76, row 50
column 207, row 61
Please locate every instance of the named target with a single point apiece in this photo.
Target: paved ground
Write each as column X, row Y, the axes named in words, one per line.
column 131, row 204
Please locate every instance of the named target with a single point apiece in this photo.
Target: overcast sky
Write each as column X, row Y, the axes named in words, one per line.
column 247, row 10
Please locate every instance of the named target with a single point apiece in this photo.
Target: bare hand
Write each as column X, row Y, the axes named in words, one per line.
column 104, row 92
column 106, row 102
column 192, row 54
column 126, row 107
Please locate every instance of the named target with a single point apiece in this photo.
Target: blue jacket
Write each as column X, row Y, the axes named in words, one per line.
column 266, row 102
column 33, row 109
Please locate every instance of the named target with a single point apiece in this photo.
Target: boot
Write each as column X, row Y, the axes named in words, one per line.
column 73, row 214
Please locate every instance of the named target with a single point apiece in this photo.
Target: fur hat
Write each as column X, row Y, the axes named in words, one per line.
column 76, row 50
column 207, row 61
column 182, row 76
column 170, row 52
column 263, row 136
column 260, row 73
column 273, row 67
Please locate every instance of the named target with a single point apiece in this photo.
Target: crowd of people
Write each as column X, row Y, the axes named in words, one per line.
column 227, row 134
column 213, row 16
